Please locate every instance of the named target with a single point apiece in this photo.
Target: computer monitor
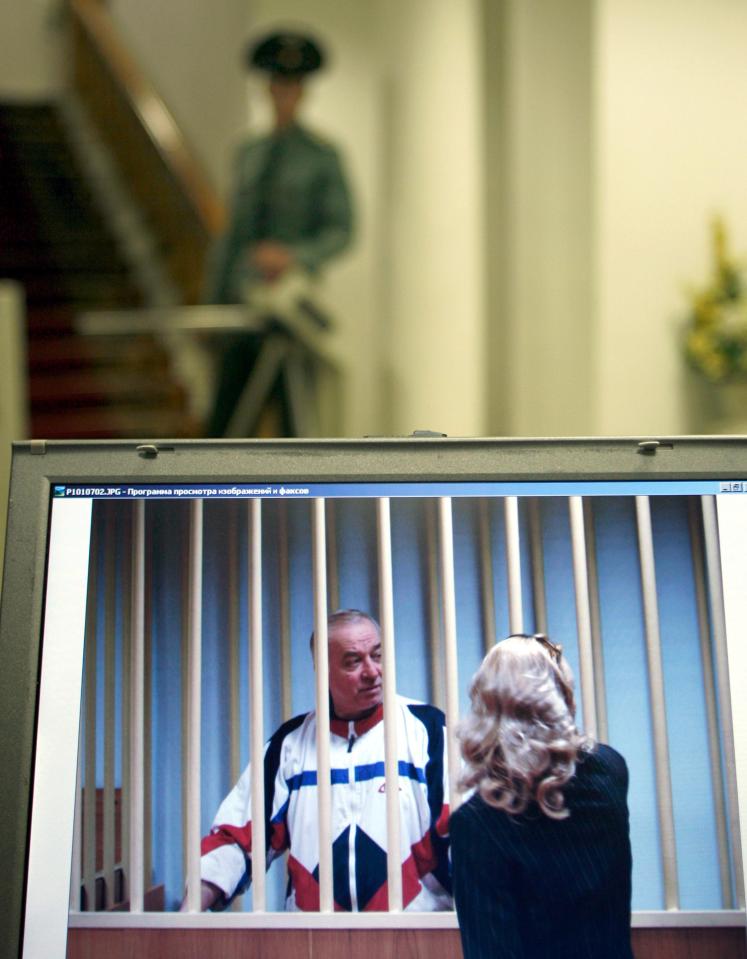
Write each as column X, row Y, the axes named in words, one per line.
column 627, row 551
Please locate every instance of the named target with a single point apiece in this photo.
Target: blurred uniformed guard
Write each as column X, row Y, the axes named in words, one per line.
column 290, row 213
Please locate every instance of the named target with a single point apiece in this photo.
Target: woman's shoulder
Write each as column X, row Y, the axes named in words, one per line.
column 475, row 814
column 466, row 812
column 601, row 758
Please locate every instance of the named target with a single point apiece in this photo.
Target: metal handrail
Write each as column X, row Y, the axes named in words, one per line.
column 154, row 116
column 291, row 342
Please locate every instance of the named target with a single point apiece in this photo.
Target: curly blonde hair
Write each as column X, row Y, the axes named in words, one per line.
column 520, row 742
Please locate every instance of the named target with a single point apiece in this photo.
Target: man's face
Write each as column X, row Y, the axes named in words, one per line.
column 285, row 93
column 355, row 669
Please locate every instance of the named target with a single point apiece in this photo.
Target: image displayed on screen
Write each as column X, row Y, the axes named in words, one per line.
column 556, row 564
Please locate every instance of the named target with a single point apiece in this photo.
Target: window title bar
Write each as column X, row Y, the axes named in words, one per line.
column 394, row 490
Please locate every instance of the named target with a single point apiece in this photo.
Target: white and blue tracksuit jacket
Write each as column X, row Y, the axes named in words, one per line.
column 358, row 814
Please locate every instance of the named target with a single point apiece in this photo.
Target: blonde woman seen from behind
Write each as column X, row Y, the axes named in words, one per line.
column 541, row 851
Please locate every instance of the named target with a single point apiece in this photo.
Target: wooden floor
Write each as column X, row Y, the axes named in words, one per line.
column 360, row 944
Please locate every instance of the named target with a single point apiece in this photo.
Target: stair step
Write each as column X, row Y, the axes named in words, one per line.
column 38, row 157
column 30, row 236
column 94, row 388
column 41, row 164
column 23, row 111
column 84, row 291
column 86, row 352
column 71, row 260
column 50, row 321
column 21, row 133
column 112, row 423
column 20, row 265
column 23, row 106
column 56, row 243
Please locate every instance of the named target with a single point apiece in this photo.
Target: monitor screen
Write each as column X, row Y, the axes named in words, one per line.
column 152, row 579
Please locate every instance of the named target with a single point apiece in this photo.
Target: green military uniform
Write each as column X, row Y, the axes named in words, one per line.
column 290, row 188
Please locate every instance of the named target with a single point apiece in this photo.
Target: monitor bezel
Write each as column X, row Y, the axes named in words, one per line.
column 37, row 465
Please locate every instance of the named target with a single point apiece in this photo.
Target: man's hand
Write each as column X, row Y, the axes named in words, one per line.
column 209, row 892
column 270, row 259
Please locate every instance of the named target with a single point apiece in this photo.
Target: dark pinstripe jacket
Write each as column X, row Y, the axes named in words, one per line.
column 531, row 887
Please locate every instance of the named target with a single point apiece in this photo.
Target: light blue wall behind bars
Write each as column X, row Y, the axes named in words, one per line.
column 625, row 666
column 166, row 551
column 626, row 686
column 694, row 811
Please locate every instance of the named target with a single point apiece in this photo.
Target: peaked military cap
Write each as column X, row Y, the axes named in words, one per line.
column 289, row 54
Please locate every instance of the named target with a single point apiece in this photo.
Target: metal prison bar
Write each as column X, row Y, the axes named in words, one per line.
column 715, row 590
column 442, row 622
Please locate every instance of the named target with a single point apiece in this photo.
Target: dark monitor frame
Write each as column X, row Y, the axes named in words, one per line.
column 38, row 464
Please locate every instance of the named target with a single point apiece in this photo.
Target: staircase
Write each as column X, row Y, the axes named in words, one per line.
column 55, row 243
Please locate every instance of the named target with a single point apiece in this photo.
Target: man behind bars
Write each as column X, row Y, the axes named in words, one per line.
column 359, row 832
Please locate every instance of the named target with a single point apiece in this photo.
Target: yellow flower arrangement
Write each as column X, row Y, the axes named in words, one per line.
column 716, row 328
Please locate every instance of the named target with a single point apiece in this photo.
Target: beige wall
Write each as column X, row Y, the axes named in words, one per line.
column 13, row 411
column 544, row 220
column 671, row 149
column 434, row 318
column 28, row 48
column 624, row 136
